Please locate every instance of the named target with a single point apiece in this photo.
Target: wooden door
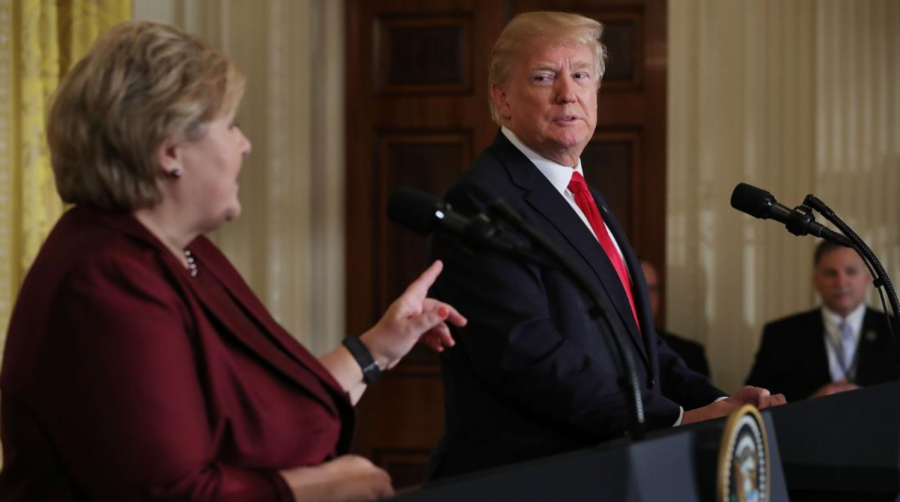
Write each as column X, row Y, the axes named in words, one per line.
column 417, row 115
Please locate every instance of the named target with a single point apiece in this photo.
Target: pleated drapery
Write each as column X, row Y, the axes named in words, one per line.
column 39, row 42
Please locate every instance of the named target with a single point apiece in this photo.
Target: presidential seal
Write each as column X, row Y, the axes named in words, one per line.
column 743, row 469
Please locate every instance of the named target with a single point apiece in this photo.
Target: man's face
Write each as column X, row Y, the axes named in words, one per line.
column 841, row 279
column 549, row 100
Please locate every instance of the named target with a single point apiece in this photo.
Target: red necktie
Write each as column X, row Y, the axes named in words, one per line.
column 587, row 205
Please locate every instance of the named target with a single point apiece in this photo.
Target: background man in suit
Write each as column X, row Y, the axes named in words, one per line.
column 693, row 353
column 533, row 374
column 835, row 348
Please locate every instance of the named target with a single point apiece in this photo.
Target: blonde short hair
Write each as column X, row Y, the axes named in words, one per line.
column 141, row 84
column 550, row 28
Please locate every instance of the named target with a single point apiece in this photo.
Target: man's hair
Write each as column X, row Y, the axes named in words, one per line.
column 550, row 28
column 822, row 249
column 141, row 84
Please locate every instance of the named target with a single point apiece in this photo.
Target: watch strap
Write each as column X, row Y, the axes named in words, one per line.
column 363, row 356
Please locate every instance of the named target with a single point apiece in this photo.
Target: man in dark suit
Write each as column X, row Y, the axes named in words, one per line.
column 841, row 346
column 533, row 374
column 693, row 353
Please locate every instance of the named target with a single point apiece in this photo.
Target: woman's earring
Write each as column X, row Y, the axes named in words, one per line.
column 175, row 173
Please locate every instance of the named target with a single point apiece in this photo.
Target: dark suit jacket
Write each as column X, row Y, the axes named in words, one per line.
column 693, row 353
column 124, row 378
column 532, row 374
column 793, row 359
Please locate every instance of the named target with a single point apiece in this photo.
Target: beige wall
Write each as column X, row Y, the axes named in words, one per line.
column 797, row 97
column 288, row 243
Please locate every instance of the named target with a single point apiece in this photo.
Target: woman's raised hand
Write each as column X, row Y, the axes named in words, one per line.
column 412, row 318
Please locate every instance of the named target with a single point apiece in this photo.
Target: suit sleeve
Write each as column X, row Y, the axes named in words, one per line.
column 681, row 383
column 129, row 418
column 530, row 341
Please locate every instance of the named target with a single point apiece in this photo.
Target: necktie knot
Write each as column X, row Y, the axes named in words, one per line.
column 577, row 183
column 846, row 331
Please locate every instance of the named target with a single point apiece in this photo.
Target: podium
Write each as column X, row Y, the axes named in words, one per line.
column 678, row 464
column 843, row 447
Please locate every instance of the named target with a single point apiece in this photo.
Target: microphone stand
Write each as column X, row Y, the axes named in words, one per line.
column 600, row 306
column 881, row 280
column 481, row 233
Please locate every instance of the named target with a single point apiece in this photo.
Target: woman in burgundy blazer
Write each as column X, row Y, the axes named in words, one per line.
column 139, row 365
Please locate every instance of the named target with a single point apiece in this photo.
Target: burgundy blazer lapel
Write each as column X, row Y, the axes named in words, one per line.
column 211, row 260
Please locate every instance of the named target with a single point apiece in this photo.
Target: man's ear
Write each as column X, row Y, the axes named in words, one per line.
column 498, row 96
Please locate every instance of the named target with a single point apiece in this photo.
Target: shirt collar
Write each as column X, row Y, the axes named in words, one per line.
column 558, row 174
column 854, row 319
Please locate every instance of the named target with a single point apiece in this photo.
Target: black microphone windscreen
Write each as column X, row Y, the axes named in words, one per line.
column 751, row 200
column 413, row 209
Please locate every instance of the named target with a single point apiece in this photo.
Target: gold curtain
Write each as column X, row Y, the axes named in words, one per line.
column 39, row 42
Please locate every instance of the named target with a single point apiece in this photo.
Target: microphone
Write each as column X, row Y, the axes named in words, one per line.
column 425, row 214
column 799, row 221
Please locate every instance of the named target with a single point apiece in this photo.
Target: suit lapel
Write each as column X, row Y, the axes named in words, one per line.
column 543, row 197
column 871, row 342
column 816, row 351
column 638, row 284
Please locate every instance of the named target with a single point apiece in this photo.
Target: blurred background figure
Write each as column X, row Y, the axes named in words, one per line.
column 692, row 352
column 840, row 346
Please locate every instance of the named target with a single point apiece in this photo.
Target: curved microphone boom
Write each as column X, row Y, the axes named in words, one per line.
column 799, row 221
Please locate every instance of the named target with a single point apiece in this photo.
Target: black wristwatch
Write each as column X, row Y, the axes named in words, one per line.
column 370, row 370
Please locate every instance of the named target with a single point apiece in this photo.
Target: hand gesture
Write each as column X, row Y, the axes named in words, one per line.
column 412, row 318
column 349, row 478
column 759, row 397
column 834, row 388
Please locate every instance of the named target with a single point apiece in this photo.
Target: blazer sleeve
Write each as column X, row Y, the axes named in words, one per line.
column 530, row 348
column 128, row 414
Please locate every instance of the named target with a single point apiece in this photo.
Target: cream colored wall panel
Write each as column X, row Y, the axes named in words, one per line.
column 289, row 242
column 795, row 97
